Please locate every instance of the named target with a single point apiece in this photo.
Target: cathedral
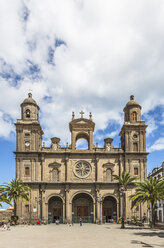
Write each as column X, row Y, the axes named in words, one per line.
column 68, row 183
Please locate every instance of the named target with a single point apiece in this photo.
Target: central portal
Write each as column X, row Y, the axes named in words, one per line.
column 82, row 207
column 55, row 209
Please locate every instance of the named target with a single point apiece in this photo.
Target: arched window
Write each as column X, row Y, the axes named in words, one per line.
column 108, row 175
column 134, row 116
column 82, row 144
column 55, row 175
column 135, row 147
column 27, row 113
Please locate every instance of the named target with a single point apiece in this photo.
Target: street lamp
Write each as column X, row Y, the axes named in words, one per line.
column 122, row 195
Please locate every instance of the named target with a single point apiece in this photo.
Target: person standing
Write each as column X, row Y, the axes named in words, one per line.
column 81, row 222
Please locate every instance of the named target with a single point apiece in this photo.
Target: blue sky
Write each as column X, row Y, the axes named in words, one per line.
column 81, row 55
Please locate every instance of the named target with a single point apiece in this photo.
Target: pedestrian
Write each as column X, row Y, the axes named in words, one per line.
column 81, row 222
column 5, row 226
column 8, row 226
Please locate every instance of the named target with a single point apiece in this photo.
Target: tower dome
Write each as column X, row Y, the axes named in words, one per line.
column 29, row 108
column 132, row 111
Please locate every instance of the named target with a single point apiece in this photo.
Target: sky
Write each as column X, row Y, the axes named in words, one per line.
column 81, row 55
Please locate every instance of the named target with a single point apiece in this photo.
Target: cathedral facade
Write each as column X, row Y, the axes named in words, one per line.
column 69, row 183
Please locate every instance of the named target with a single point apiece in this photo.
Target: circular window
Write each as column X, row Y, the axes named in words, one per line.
column 82, row 169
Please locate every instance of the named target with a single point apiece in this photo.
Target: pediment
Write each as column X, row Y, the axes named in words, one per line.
column 108, row 165
column 54, row 165
column 81, row 123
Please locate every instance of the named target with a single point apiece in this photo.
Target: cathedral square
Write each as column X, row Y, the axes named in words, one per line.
column 69, row 183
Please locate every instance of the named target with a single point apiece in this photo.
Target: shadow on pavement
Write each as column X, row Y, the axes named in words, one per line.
column 145, row 244
column 151, row 234
column 141, row 243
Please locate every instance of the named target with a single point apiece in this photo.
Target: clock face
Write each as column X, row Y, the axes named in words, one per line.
column 27, row 143
column 82, row 169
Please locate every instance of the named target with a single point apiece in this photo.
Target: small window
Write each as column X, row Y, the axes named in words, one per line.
column 136, row 171
column 27, row 113
column 27, row 134
column 134, row 116
column 135, row 147
column 26, row 208
column 27, row 171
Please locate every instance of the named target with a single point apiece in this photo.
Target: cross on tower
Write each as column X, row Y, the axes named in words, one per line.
column 81, row 113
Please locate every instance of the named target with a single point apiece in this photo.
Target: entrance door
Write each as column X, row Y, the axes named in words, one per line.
column 108, row 214
column 82, row 211
column 56, row 213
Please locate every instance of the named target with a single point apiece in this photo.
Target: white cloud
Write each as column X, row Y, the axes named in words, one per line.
column 158, row 145
column 113, row 49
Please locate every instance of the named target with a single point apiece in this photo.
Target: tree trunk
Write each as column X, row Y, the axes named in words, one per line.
column 15, row 208
column 153, row 215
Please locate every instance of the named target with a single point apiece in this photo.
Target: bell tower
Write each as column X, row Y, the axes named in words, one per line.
column 133, row 132
column 28, row 130
column 82, row 128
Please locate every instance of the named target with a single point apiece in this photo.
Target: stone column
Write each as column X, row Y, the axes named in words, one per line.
column 141, row 170
column 42, row 168
column 21, row 169
column 73, row 141
column 118, row 211
column 32, row 169
column 90, row 140
column 144, row 141
column 126, row 165
column 67, row 204
column 96, row 170
column 141, row 141
column 126, row 141
column 130, row 143
column 145, row 168
column 66, row 169
column 18, row 168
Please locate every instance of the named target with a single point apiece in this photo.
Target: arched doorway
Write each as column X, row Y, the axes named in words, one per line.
column 109, row 209
column 55, row 209
column 82, row 207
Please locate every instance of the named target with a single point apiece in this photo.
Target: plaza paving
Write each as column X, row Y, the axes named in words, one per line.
column 88, row 236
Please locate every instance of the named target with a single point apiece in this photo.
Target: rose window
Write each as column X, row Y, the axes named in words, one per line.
column 82, row 169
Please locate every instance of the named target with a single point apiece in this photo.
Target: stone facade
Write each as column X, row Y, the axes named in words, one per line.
column 69, row 183
column 158, row 172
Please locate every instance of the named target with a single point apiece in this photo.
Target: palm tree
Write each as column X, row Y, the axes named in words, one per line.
column 149, row 191
column 15, row 190
column 124, row 180
column 3, row 198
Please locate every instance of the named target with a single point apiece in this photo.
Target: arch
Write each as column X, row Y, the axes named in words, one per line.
column 54, row 195
column 82, row 208
column 82, row 192
column 28, row 113
column 134, row 115
column 109, row 208
column 55, row 209
column 82, row 136
column 82, row 144
column 111, row 195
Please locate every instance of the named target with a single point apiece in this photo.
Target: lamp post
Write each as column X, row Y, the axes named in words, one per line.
column 122, row 195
